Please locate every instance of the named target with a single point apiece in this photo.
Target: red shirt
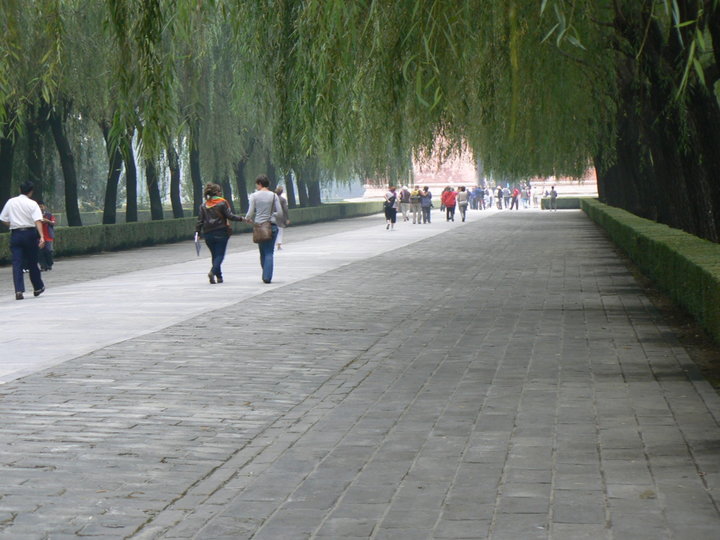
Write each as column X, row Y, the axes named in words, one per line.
column 448, row 198
column 48, row 228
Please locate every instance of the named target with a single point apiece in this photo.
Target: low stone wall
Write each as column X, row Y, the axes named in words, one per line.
column 683, row 265
column 96, row 238
column 563, row 203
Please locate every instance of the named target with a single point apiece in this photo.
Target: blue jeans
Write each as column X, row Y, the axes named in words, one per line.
column 267, row 249
column 216, row 241
column 24, row 249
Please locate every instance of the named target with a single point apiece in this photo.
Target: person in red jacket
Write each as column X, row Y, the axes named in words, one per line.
column 448, row 199
column 515, row 199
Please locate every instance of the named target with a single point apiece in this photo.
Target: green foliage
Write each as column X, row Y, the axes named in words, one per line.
column 362, row 86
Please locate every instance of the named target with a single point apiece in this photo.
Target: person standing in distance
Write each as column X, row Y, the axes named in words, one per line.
column 264, row 206
column 24, row 217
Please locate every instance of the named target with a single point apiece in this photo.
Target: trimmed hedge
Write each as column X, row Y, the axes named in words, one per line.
column 96, row 217
column 683, row 265
column 96, row 238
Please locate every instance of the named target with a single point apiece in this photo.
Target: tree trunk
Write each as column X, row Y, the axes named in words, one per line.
column 195, row 175
column 290, row 190
column 314, row 195
column 131, row 207
column 271, row 173
column 151, row 179
column 7, row 154
column 311, row 174
column 113, row 176
column 302, row 193
column 34, row 127
column 227, row 192
column 67, row 163
column 174, row 165
column 241, row 183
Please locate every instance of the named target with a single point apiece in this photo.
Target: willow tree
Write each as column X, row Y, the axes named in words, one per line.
column 30, row 66
column 534, row 88
column 664, row 162
column 90, row 60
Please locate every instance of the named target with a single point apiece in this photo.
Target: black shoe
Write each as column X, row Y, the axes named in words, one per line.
column 19, row 296
column 211, row 277
column 38, row 292
column 219, row 279
column 266, row 281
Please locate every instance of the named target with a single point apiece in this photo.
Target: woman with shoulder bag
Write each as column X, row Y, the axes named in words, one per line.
column 264, row 206
column 214, row 223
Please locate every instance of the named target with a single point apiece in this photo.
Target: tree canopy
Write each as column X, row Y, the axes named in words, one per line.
column 532, row 88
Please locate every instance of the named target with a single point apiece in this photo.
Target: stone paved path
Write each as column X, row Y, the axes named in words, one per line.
column 505, row 378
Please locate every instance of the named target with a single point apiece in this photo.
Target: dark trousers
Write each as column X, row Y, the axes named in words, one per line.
column 391, row 214
column 426, row 214
column 267, row 252
column 24, row 249
column 216, row 241
column 45, row 256
column 450, row 213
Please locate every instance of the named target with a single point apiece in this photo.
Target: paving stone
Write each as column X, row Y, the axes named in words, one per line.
column 462, row 529
column 528, row 391
column 576, row 506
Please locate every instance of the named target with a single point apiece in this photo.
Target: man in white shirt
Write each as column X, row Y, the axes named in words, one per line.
column 24, row 218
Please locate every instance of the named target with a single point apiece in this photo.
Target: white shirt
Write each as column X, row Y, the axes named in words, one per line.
column 21, row 212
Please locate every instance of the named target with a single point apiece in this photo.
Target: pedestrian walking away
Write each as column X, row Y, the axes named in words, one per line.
column 448, row 199
column 391, row 207
column 415, row 207
column 45, row 255
column 405, row 202
column 553, row 199
column 506, row 197
column 462, row 201
column 24, row 217
column 283, row 218
column 426, row 204
column 214, row 224
column 515, row 199
column 264, row 207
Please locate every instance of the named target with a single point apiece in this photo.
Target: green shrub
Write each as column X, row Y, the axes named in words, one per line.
column 683, row 265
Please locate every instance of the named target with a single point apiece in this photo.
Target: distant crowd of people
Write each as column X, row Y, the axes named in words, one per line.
column 417, row 202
